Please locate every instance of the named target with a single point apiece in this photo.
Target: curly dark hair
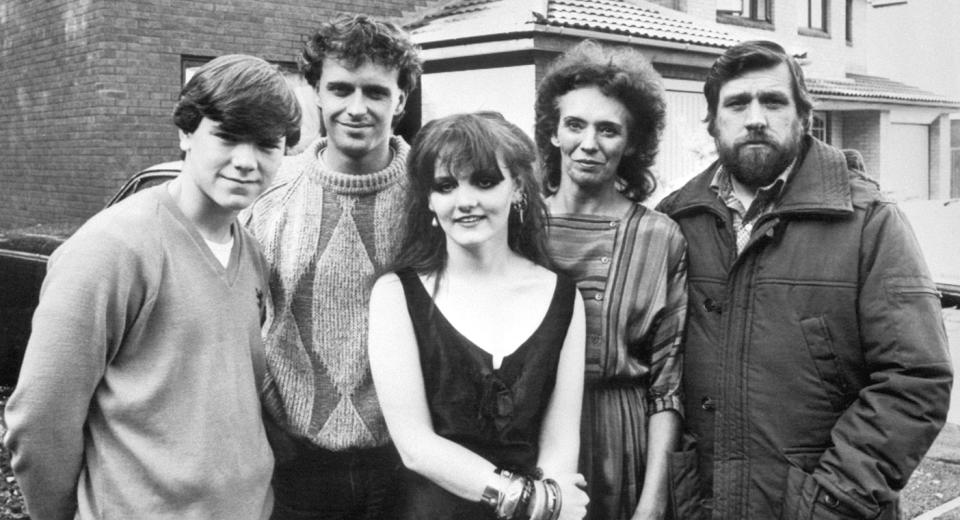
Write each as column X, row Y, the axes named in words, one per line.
column 747, row 57
column 469, row 143
column 620, row 73
column 355, row 40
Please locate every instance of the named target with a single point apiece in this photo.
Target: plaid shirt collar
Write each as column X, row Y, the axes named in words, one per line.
column 765, row 200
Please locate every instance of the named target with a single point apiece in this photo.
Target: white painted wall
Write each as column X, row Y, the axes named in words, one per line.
column 685, row 147
column 901, row 178
column 508, row 90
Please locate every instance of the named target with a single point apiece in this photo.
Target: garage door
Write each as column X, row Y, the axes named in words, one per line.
column 906, row 172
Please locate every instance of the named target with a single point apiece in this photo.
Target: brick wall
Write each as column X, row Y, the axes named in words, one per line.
column 861, row 131
column 88, row 86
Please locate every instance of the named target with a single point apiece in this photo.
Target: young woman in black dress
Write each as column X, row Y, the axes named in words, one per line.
column 476, row 348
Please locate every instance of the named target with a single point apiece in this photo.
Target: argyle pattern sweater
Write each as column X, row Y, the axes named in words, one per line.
column 325, row 235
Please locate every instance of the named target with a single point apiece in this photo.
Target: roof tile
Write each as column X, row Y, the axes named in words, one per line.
column 639, row 18
column 873, row 87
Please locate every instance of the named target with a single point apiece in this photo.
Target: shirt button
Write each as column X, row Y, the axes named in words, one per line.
column 613, row 223
column 604, row 260
column 598, row 297
column 707, row 404
column 595, row 339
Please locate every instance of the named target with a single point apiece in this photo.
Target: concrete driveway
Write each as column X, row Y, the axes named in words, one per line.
column 951, row 318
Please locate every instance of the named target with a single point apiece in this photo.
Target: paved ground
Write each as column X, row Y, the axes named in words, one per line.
column 951, row 318
column 937, row 480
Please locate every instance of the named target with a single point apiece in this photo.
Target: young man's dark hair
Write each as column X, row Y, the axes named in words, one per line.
column 248, row 97
column 138, row 395
column 750, row 56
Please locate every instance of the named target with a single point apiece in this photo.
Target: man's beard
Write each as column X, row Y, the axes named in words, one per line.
column 759, row 165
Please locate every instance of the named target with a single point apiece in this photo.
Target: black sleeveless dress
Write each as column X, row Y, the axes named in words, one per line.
column 496, row 413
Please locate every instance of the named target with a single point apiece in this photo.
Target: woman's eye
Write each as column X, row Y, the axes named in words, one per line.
column 444, row 186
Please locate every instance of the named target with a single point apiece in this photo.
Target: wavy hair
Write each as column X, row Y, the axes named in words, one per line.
column 469, row 143
column 358, row 39
column 623, row 74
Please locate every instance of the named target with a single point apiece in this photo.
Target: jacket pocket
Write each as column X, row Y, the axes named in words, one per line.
column 819, row 343
column 799, row 495
column 803, row 498
column 684, row 482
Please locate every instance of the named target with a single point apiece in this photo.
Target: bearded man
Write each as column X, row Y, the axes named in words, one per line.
column 816, row 365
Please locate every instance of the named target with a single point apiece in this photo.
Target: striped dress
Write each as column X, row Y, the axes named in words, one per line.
column 631, row 273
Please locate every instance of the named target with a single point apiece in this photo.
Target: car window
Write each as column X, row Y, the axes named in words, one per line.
column 149, row 183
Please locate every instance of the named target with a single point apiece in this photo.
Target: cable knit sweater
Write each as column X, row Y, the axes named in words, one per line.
column 325, row 235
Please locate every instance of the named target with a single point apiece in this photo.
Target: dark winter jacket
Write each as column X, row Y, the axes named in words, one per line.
column 816, row 371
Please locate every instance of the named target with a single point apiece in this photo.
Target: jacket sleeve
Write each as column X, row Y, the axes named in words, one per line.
column 882, row 436
column 77, row 326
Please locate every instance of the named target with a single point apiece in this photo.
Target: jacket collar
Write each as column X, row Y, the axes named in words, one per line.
column 820, row 186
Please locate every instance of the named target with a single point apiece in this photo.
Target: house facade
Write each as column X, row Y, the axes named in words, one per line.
column 489, row 54
column 88, row 86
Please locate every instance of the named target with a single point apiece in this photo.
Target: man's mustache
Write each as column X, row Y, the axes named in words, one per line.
column 757, row 138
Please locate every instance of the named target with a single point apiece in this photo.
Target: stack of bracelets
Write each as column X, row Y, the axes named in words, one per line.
column 524, row 498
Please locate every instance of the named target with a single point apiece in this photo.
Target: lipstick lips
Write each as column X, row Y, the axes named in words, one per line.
column 468, row 219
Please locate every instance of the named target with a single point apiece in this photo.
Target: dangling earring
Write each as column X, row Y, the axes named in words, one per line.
column 520, row 206
column 434, row 222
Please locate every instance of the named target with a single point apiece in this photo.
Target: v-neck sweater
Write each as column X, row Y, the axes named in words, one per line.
column 137, row 396
column 326, row 234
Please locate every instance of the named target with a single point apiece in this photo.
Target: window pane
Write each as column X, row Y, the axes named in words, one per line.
column 816, row 14
column 734, row 7
column 761, row 10
column 849, row 20
column 820, row 126
column 753, row 9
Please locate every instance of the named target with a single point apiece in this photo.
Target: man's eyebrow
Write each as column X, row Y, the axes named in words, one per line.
column 223, row 134
column 339, row 84
column 773, row 95
column 739, row 97
column 377, row 89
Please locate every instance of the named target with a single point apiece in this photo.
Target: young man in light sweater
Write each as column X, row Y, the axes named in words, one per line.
column 327, row 226
column 138, row 396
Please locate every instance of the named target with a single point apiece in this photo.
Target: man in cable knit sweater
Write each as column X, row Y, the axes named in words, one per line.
column 327, row 226
column 137, row 397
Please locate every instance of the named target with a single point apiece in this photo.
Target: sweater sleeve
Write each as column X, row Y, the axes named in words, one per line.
column 882, row 436
column 89, row 295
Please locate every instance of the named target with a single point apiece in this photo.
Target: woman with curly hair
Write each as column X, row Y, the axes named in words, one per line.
column 599, row 114
column 476, row 349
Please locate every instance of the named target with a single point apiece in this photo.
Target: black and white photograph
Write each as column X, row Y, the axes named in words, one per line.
column 479, row 260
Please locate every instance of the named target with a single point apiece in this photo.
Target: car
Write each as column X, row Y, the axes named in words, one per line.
column 23, row 265
column 935, row 222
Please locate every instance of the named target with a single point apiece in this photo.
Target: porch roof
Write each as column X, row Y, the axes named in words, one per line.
column 861, row 87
